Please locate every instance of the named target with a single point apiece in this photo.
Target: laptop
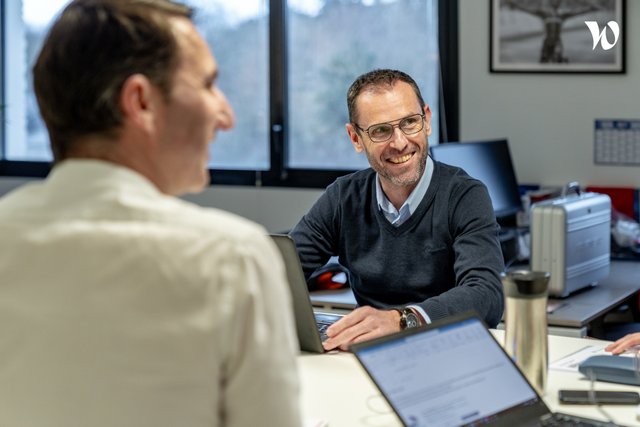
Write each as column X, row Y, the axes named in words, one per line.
column 310, row 325
column 454, row 373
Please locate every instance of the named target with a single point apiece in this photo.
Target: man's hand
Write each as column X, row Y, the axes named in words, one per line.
column 363, row 323
column 624, row 343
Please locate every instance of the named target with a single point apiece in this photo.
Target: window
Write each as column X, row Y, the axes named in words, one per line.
column 225, row 26
column 285, row 67
column 238, row 33
column 329, row 45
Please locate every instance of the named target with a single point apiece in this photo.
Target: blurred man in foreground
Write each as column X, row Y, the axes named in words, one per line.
column 121, row 305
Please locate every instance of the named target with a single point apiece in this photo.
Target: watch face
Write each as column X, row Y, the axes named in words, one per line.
column 412, row 321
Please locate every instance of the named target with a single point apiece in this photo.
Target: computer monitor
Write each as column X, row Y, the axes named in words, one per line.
column 489, row 162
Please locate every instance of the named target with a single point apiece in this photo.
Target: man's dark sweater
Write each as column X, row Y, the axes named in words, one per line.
column 446, row 257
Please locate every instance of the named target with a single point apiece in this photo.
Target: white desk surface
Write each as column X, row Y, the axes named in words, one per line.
column 337, row 390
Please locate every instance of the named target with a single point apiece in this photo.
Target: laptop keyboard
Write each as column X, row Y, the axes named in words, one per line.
column 323, row 321
column 322, row 328
column 563, row 420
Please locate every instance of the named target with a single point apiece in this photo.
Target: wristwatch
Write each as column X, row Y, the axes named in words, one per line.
column 408, row 318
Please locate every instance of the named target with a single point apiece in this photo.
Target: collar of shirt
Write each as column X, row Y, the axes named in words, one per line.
column 397, row 217
column 100, row 180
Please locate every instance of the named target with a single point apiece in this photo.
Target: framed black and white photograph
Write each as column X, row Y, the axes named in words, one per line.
column 557, row 36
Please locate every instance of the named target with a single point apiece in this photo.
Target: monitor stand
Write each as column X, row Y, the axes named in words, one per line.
column 509, row 239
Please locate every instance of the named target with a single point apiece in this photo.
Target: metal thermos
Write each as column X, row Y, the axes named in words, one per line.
column 526, row 323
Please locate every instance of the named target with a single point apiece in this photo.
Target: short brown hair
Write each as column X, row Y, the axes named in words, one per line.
column 90, row 51
column 382, row 79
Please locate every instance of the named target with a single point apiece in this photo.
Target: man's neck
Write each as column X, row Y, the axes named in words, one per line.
column 397, row 195
column 124, row 154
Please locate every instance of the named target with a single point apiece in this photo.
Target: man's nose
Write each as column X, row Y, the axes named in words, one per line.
column 224, row 116
column 398, row 139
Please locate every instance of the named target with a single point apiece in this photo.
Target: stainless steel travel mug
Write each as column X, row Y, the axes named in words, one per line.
column 526, row 323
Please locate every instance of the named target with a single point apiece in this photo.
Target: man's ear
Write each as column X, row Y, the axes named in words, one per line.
column 137, row 98
column 427, row 118
column 355, row 138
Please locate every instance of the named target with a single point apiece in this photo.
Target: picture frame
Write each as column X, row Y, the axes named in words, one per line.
column 557, row 36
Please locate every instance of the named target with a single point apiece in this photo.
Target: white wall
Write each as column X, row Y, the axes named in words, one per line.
column 278, row 209
column 548, row 118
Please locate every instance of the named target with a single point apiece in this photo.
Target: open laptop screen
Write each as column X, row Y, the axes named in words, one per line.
column 456, row 374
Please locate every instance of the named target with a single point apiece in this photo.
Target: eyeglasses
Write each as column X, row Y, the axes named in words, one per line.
column 382, row 132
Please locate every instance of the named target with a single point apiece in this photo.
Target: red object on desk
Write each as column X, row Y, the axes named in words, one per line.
column 328, row 278
column 623, row 199
column 325, row 281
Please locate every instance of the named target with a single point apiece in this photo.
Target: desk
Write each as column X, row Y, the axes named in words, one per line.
column 337, row 299
column 587, row 308
column 336, row 389
column 577, row 315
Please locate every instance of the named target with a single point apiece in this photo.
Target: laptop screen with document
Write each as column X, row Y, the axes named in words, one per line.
column 450, row 375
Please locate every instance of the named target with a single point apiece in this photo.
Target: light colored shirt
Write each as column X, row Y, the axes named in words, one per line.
column 120, row 306
column 398, row 217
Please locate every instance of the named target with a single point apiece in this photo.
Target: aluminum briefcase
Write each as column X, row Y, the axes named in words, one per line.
column 570, row 238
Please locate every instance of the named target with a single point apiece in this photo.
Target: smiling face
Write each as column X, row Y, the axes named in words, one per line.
column 196, row 108
column 400, row 161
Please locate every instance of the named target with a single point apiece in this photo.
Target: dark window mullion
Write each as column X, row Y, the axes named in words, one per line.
column 277, row 92
column 449, row 77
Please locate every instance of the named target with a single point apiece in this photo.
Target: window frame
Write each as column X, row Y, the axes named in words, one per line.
column 279, row 175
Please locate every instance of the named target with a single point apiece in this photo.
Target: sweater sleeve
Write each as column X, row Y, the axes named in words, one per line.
column 478, row 258
column 316, row 235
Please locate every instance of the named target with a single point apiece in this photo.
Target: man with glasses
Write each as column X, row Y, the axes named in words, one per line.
column 418, row 237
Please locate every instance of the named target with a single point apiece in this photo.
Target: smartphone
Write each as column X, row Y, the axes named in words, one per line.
column 581, row 397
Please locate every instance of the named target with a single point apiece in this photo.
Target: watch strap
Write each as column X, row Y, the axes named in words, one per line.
column 403, row 318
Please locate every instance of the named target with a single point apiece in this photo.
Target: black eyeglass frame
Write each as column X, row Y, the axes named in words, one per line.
column 393, row 126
